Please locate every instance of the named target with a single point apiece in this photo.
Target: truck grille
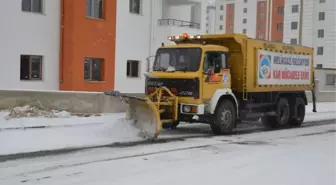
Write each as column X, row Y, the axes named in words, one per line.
column 179, row 87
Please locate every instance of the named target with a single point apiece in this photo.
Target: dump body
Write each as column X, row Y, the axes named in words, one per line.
column 262, row 66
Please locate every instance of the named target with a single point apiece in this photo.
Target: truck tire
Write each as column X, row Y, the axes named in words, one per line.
column 282, row 115
column 298, row 112
column 224, row 120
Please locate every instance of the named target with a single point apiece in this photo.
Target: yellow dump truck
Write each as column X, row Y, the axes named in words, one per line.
column 222, row 79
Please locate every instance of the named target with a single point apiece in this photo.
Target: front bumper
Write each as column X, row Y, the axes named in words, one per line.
column 192, row 109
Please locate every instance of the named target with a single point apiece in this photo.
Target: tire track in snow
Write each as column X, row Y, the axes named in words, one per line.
column 64, row 151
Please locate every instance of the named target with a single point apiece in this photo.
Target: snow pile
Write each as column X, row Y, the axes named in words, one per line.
column 126, row 129
column 36, row 109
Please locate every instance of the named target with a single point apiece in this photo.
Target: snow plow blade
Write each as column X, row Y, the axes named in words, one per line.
column 148, row 112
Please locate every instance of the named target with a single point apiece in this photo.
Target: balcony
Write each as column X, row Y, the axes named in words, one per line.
column 178, row 23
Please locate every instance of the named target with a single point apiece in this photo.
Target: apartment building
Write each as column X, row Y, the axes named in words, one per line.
column 211, row 19
column 88, row 45
column 260, row 19
column 312, row 23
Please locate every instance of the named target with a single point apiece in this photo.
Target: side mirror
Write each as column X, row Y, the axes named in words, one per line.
column 217, row 66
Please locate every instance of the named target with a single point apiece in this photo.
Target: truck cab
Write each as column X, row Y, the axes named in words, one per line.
column 198, row 74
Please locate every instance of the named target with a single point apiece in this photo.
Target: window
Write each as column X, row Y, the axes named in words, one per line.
column 331, row 79
column 293, row 41
column 281, row 10
column 220, row 27
column 319, row 65
column 231, row 5
column 294, row 25
column 295, row 8
column 177, row 59
column 31, row 67
column 231, row 26
column 135, row 6
column 261, row 4
column 133, row 68
column 320, row 50
column 259, row 25
column 245, row 1
column 321, row 16
column 221, row 7
column 94, row 8
column 261, row 15
column 322, row 1
column 320, row 33
column 221, row 17
column 32, row 6
column 279, row 27
column 260, row 37
column 230, row 17
column 244, row 31
column 244, row 21
column 245, row 10
column 93, row 69
column 211, row 57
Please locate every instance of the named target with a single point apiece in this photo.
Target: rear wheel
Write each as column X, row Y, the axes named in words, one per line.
column 299, row 112
column 224, row 120
column 282, row 115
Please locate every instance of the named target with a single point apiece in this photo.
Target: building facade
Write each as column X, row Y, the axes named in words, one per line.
column 260, row 19
column 89, row 45
column 303, row 22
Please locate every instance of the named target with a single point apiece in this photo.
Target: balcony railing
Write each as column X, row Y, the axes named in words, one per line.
column 179, row 23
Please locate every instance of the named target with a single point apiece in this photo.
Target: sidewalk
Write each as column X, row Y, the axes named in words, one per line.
column 42, row 134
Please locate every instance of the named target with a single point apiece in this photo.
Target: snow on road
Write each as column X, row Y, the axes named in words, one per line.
column 294, row 156
column 78, row 132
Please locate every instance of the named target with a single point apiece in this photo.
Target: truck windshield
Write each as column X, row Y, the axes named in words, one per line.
column 177, row 59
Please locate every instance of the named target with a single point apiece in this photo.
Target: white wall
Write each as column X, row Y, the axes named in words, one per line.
column 220, row 12
column 29, row 33
column 132, row 43
column 310, row 27
column 328, row 59
column 211, row 20
column 251, row 16
column 289, row 18
column 139, row 36
column 181, row 12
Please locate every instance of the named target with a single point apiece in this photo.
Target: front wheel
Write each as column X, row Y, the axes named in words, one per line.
column 224, row 120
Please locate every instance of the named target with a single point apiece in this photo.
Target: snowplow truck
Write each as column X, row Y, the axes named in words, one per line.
column 223, row 79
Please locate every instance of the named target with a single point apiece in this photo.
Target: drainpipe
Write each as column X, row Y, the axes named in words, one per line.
column 61, row 47
column 300, row 23
column 269, row 21
column 150, row 27
column 149, row 42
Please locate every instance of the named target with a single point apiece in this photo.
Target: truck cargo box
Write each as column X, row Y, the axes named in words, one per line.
column 263, row 66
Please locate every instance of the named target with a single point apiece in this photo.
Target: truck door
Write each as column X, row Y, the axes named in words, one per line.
column 212, row 79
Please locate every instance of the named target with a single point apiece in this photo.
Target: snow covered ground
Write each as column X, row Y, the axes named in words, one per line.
column 285, row 157
column 41, row 134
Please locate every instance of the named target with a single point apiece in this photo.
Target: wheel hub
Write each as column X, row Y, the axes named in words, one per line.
column 226, row 118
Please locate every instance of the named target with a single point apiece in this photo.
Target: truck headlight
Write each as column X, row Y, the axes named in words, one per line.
column 187, row 108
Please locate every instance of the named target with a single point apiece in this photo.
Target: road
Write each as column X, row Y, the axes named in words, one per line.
column 292, row 156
